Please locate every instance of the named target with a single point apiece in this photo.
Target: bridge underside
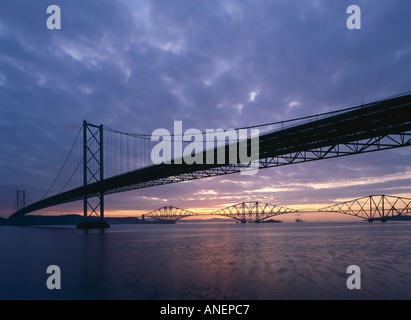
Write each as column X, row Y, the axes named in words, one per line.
column 377, row 126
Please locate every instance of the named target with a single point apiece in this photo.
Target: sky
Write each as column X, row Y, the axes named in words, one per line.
column 137, row 66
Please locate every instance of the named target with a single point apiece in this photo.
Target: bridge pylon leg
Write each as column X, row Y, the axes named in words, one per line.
column 93, row 171
column 19, row 220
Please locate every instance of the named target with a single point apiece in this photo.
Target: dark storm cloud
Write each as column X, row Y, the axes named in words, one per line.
column 139, row 65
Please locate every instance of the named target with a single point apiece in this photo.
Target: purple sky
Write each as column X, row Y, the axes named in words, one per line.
column 137, row 66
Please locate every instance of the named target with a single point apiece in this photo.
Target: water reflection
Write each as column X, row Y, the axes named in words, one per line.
column 207, row 261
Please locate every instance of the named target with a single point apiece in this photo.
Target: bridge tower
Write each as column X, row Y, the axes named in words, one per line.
column 20, row 199
column 20, row 204
column 93, row 171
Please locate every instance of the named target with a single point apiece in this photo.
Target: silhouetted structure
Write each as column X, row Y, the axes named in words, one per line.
column 376, row 126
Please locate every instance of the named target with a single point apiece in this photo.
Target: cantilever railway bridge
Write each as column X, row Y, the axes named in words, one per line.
column 371, row 208
column 88, row 174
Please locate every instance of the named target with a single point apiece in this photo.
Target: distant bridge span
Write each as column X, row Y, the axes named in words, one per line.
column 252, row 211
column 371, row 208
column 169, row 213
column 381, row 125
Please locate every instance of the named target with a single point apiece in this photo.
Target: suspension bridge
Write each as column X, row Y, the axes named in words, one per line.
column 105, row 161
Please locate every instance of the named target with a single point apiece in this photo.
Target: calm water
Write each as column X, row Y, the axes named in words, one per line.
column 208, row 261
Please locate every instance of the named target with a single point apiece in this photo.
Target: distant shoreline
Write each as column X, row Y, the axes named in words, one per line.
column 74, row 219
